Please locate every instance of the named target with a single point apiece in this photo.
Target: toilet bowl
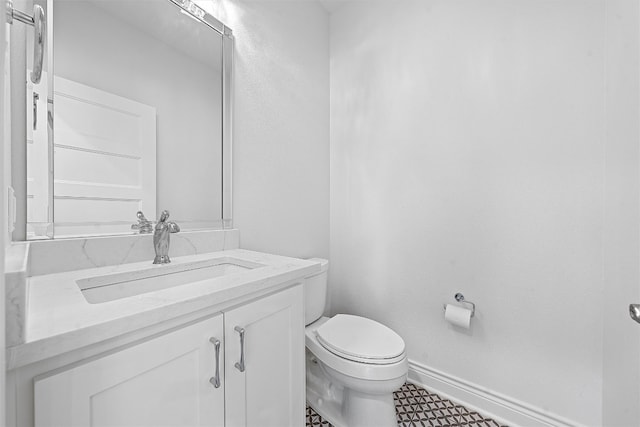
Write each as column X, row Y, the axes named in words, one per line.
column 353, row 364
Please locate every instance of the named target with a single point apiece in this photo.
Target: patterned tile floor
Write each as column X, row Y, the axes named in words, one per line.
column 418, row 407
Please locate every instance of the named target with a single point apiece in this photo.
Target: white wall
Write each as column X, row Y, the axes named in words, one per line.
column 467, row 155
column 281, row 125
column 621, row 343
column 5, row 145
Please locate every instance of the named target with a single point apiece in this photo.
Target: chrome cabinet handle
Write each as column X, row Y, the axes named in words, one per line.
column 216, row 380
column 240, row 365
column 634, row 312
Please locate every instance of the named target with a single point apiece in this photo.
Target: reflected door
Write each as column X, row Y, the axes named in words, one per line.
column 105, row 160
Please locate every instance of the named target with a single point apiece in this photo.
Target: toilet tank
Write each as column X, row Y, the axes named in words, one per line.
column 315, row 292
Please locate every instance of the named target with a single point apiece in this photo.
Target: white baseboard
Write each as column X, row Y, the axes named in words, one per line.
column 504, row 409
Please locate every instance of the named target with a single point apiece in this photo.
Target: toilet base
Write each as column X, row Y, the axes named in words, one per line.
column 322, row 395
column 330, row 410
column 361, row 410
column 345, row 407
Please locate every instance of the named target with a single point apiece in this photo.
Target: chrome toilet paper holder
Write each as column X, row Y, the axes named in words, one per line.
column 460, row 298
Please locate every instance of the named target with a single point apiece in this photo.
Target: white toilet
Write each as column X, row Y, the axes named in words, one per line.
column 353, row 364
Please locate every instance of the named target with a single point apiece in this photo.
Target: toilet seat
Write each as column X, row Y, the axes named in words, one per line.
column 353, row 368
column 361, row 340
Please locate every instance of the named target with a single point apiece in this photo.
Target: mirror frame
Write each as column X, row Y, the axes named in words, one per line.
column 201, row 15
column 227, row 102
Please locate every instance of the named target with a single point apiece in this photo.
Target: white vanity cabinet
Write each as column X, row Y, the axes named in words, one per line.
column 160, row 382
column 270, row 392
column 169, row 380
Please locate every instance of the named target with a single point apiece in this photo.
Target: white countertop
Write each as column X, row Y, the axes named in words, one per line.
column 61, row 320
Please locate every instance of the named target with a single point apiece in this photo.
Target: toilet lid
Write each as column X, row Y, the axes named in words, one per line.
column 360, row 339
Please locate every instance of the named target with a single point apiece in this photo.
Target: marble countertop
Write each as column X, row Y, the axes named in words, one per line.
column 61, row 320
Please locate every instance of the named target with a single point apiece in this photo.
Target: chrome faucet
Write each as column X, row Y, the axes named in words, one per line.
column 161, row 235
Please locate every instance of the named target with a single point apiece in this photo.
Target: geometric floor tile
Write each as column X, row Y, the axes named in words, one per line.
column 315, row 420
column 418, row 407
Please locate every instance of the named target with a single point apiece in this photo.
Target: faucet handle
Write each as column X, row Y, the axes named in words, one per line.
column 163, row 216
column 144, row 226
column 172, row 226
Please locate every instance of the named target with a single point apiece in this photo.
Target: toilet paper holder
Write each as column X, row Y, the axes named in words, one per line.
column 460, row 298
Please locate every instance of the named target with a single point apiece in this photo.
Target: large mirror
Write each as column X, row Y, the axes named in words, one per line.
column 132, row 113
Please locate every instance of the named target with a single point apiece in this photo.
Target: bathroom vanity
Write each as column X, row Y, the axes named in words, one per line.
column 211, row 339
column 97, row 334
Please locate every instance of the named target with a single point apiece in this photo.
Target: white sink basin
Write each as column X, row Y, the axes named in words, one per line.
column 115, row 286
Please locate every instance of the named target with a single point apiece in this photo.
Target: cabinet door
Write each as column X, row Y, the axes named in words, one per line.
column 271, row 390
column 161, row 382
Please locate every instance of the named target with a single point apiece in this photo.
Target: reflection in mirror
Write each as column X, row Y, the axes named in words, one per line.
column 138, row 111
column 39, row 186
